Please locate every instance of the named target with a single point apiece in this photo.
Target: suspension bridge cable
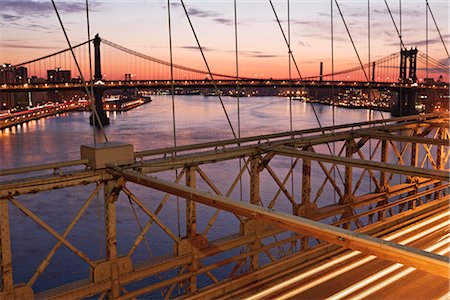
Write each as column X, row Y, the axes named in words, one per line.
column 237, row 67
column 435, row 61
column 434, row 66
column 437, row 28
column 50, row 55
column 300, row 76
column 377, row 62
column 99, row 226
column 354, row 47
column 369, row 94
column 333, row 108
column 400, row 18
column 395, row 25
column 401, row 88
column 295, row 63
column 332, row 68
column 93, row 108
column 209, row 70
column 91, row 98
column 286, row 40
column 165, row 63
column 291, row 128
column 351, row 40
column 171, row 75
column 426, row 35
column 237, row 89
column 368, row 38
column 172, row 83
column 289, row 65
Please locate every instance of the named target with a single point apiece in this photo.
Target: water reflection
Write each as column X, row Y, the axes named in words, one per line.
column 198, row 119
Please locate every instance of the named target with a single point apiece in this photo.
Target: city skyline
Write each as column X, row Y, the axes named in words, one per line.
column 31, row 30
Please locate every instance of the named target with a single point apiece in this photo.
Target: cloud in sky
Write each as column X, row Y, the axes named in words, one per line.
column 207, row 14
column 202, row 13
column 195, row 48
column 214, row 16
column 304, row 43
column 258, row 54
column 27, row 7
column 251, row 54
column 142, row 24
column 432, row 41
column 32, row 27
column 18, row 45
column 9, row 18
column 224, row 21
column 27, row 14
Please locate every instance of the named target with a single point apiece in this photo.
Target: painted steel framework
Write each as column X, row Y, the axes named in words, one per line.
column 345, row 201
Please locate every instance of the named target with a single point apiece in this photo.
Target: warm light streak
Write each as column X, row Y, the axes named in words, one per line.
column 416, row 226
column 350, row 255
column 392, row 279
column 363, row 283
column 325, row 278
column 302, row 276
column 356, row 264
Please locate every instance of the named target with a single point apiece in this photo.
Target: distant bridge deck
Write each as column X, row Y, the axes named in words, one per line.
column 208, row 84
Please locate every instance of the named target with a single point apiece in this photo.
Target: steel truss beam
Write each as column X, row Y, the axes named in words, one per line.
column 365, row 164
column 429, row 132
column 419, row 259
column 46, row 183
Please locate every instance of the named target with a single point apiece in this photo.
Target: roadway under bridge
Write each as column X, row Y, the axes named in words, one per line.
column 338, row 236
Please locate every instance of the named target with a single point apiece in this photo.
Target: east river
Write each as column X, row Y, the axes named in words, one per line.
column 198, row 119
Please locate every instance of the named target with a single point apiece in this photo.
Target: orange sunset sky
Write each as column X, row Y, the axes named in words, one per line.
column 30, row 29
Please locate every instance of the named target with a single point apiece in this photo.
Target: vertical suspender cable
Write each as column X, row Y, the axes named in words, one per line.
column 400, row 18
column 426, row 35
column 351, row 39
column 208, row 68
column 91, row 82
column 237, row 67
column 437, row 28
column 395, row 24
column 237, row 89
column 298, row 72
column 172, row 84
column 173, row 105
column 91, row 97
column 333, row 108
column 369, row 94
column 401, row 42
column 238, row 102
column 332, row 69
column 354, row 46
column 401, row 89
column 368, row 42
column 289, row 64
column 290, row 90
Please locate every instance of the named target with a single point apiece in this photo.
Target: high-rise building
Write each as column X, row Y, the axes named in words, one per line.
column 11, row 75
column 7, row 74
column 58, row 76
column 21, row 75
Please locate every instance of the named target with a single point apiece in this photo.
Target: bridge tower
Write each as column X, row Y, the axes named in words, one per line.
column 406, row 104
column 410, row 55
column 98, row 88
